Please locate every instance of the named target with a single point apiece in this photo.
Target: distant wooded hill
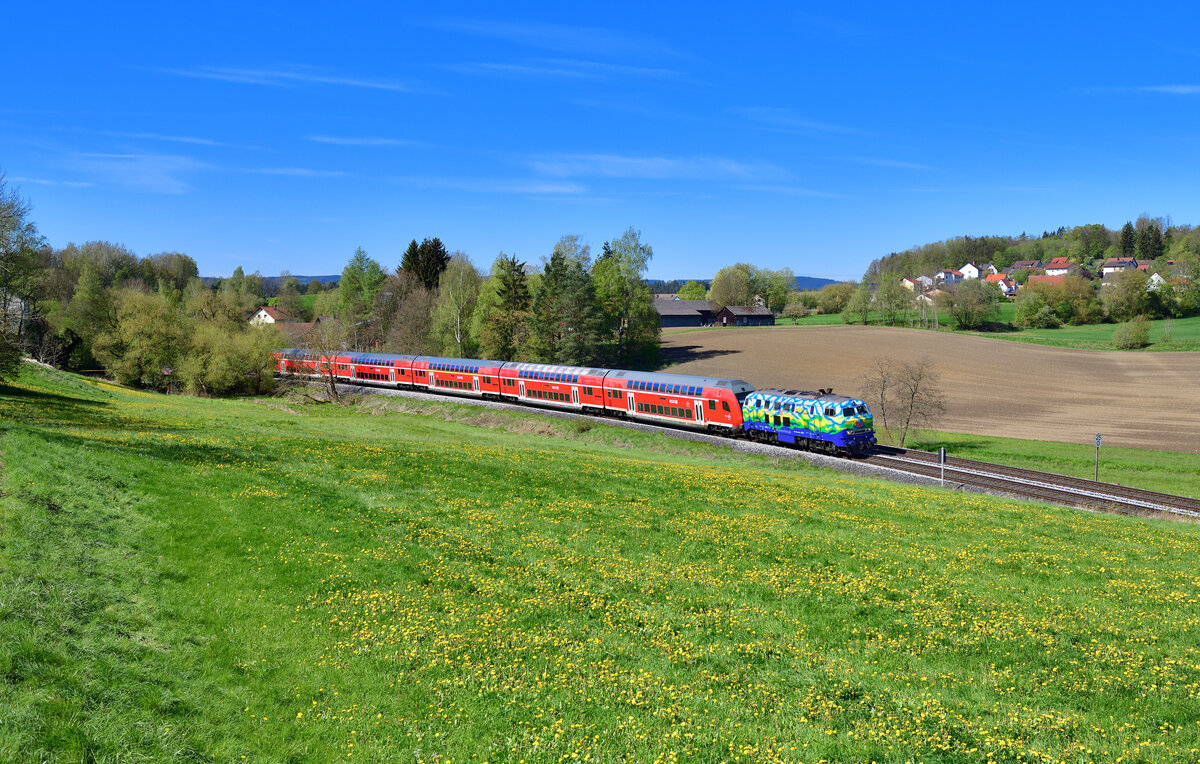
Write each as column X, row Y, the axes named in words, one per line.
column 269, row 282
column 1146, row 239
column 670, row 286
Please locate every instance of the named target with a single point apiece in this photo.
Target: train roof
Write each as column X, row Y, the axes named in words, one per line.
column 811, row 395
column 736, row 385
column 577, row 370
column 456, row 361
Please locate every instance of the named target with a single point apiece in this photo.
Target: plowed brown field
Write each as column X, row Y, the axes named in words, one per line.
column 992, row 387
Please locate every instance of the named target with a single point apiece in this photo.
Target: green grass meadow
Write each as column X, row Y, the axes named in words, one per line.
column 264, row 580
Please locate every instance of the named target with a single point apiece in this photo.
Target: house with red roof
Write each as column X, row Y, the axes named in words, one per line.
column 948, row 276
column 267, row 315
column 1059, row 266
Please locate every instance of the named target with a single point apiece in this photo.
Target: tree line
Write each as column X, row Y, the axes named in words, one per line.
column 152, row 322
column 572, row 310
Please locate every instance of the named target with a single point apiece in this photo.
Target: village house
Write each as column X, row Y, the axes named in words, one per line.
column 1116, row 264
column 973, row 271
column 266, row 315
column 1007, row 286
column 911, row 285
column 931, row 296
column 1023, row 265
column 745, row 315
column 1059, row 266
column 925, row 282
column 948, row 276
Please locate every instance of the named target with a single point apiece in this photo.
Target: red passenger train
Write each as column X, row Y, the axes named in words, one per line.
column 676, row 399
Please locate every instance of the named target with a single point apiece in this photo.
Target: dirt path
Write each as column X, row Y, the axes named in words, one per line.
column 993, row 387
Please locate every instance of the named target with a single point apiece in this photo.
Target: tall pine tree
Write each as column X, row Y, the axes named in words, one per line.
column 566, row 323
column 426, row 260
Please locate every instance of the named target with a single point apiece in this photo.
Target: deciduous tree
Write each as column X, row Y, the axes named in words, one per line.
column 903, row 395
column 458, row 292
column 971, row 303
column 693, row 290
column 625, row 299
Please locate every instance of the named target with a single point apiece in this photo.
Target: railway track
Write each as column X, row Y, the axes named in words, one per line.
column 1043, row 486
column 976, row 475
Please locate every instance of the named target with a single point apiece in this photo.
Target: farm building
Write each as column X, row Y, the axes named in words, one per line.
column 266, row 315
column 745, row 315
column 674, row 313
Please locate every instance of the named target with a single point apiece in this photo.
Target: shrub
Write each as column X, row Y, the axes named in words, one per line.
column 1135, row 334
column 1045, row 318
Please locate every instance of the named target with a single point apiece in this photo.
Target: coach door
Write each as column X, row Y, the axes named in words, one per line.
column 699, row 411
column 575, row 395
column 521, row 386
column 392, row 376
column 475, row 384
column 632, row 405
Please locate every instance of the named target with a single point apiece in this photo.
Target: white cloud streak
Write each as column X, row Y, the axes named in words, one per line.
column 649, row 167
column 564, row 68
column 152, row 173
column 281, row 78
column 336, row 141
column 499, row 186
column 562, row 38
column 786, row 119
column 893, row 163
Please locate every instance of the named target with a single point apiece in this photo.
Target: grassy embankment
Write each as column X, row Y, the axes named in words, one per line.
column 186, row 579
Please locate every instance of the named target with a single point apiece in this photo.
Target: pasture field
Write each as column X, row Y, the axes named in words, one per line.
column 1166, row 335
column 1170, row 334
column 203, row 580
column 992, row 387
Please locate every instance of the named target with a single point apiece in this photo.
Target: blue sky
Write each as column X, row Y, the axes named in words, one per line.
column 790, row 134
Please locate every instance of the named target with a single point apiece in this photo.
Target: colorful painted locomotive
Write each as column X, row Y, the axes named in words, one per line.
column 704, row 403
column 818, row 420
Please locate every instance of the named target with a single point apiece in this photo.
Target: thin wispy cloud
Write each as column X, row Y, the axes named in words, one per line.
column 564, row 68
column 792, row 191
column 366, row 141
column 297, row 172
column 1184, row 90
column 167, row 138
column 599, row 41
column 650, row 167
column 152, row 173
column 281, row 78
column 893, row 163
column 1172, row 89
column 786, row 119
column 499, row 186
column 48, row 182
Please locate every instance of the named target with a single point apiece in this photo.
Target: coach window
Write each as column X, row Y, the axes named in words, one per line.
column 725, row 405
column 712, row 405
